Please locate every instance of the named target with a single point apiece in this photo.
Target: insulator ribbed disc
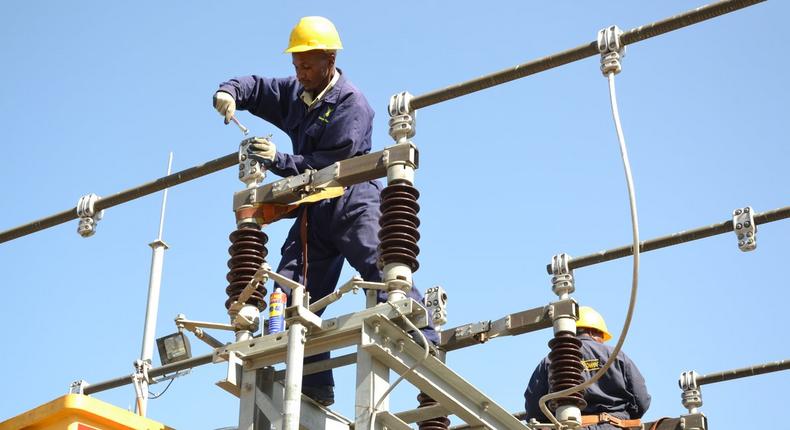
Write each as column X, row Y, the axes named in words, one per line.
column 247, row 251
column 565, row 370
column 399, row 223
column 437, row 423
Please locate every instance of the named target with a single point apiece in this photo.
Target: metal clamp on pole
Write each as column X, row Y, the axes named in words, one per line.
column 88, row 215
column 141, row 381
column 611, row 49
column 745, row 228
column 402, row 118
column 562, row 280
column 78, row 386
column 691, row 396
column 251, row 172
column 436, row 301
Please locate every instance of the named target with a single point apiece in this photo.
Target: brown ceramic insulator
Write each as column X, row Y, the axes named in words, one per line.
column 399, row 223
column 565, row 370
column 438, row 423
column 247, row 252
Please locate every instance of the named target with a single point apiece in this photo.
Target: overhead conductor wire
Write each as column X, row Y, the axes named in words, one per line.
column 634, row 284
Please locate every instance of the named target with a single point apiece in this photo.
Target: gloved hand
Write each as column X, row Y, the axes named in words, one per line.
column 225, row 105
column 262, row 150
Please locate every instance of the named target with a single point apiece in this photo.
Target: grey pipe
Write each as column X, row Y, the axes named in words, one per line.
column 673, row 239
column 125, row 196
column 159, row 371
column 578, row 53
column 743, row 372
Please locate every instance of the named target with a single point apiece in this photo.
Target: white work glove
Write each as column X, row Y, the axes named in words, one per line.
column 262, row 150
column 225, row 105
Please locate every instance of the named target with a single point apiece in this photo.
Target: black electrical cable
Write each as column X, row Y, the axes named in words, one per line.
column 156, row 396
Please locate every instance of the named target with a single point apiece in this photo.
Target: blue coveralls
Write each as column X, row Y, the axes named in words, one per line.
column 621, row 391
column 338, row 127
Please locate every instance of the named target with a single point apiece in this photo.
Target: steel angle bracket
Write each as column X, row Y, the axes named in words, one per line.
column 334, row 333
column 391, row 346
column 391, row 422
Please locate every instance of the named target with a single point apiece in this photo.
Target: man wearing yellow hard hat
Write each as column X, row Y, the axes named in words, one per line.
column 328, row 120
column 620, row 393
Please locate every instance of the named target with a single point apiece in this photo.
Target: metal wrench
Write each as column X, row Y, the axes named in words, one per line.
column 243, row 129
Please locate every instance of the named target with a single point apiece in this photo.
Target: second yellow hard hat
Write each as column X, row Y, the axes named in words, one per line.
column 590, row 318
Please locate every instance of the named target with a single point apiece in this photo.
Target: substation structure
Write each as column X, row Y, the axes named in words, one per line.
column 386, row 335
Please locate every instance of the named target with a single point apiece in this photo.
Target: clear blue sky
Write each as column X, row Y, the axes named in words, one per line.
column 95, row 95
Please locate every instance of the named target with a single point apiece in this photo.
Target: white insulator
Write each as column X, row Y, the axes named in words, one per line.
column 86, row 211
column 611, row 48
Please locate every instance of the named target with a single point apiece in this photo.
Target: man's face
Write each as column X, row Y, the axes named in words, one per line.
column 313, row 69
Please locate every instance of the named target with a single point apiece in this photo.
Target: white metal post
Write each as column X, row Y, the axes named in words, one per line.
column 158, row 248
column 297, row 336
column 372, row 382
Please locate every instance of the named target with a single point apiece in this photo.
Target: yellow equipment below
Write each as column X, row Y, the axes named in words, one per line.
column 80, row 412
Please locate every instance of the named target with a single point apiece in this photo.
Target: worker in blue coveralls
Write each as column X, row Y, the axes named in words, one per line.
column 328, row 120
column 618, row 400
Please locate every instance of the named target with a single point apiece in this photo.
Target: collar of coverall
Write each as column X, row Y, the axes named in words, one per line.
column 312, row 102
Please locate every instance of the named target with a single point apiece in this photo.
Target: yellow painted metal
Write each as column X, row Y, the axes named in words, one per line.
column 80, row 412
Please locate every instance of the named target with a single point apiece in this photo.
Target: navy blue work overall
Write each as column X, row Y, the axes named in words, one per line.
column 337, row 127
column 621, row 391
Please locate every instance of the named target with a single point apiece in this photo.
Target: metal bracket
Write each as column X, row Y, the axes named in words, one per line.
column 303, row 315
column 691, row 396
column 562, row 282
column 611, row 49
column 436, row 301
column 78, row 387
column 232, row 381
column 478, row 331
column 695, row 421
column 402, row 118
column 745, row 228
column 251, row 172
column 89, row 218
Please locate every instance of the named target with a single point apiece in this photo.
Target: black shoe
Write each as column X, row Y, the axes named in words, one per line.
column 322, row 394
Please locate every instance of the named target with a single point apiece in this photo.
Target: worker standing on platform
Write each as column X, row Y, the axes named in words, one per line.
column 328, row 120
column 617, row 400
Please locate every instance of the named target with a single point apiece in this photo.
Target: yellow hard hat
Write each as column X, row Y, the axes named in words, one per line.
column 314, row 32
column 590, row 318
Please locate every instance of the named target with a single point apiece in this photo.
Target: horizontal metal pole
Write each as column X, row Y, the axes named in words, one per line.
column 159, row 371
column 125, row 196
column 521, row 416
column 743, row 372
column 580, row 52
column 480, row 332
column 343, row 173
column 673, row 239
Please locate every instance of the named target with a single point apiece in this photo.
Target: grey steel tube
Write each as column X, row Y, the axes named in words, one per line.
column 580, row 52
column 673, row 239
column 743, row 372
column 159, row 371
column 125, row 196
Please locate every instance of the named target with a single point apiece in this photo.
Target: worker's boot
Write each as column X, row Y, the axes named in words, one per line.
column 321, row 394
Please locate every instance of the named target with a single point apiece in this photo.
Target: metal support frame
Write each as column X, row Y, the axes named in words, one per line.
column 262, row 400
column 390, row 345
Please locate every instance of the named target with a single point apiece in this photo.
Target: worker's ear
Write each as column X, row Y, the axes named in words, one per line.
column 330, row 57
